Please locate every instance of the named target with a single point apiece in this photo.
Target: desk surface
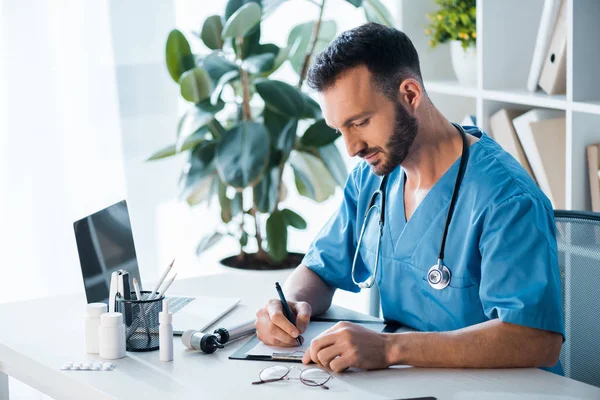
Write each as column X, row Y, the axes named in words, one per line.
column 37, row 337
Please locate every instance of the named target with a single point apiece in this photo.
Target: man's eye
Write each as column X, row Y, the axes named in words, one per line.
column 363, row 123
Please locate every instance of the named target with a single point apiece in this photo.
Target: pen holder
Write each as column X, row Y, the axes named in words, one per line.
column 142, row 332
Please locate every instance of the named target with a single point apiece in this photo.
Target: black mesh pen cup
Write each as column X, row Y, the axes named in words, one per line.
column 141, row 321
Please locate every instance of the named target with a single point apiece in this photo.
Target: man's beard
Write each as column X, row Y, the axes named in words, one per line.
column 398, row 147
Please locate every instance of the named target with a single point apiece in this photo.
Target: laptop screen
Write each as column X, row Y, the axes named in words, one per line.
column 105, row 244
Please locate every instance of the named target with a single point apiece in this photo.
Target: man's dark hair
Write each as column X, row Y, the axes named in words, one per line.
column 388, row 53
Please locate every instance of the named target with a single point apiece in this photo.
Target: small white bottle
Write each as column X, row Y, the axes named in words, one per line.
column 92, row 324
column 112, row 336
column 165, row 333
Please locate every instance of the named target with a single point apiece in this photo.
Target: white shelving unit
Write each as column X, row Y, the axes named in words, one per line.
column 506, row 34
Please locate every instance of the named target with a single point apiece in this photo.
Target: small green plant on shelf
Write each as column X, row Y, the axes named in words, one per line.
column 454, row 20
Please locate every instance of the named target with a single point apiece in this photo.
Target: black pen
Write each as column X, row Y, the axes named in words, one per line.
column 286, row 309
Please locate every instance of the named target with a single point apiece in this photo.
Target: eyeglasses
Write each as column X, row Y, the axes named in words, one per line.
column 308, row 376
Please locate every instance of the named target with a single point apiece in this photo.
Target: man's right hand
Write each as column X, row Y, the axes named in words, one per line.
column 274, row 329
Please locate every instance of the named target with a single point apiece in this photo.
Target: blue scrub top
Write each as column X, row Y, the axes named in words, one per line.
column 501, row 246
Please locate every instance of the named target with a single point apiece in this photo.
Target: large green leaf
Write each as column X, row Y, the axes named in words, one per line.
column 312, row 109
column 313, row 180
column 251, row 43
column 265, row 193
column 201, row 163
column 287, row 138
column 201, row 191
column 225, row 79
column 293, row 219
column 319, row 134
column 331, row 157
column 208, row 107
column 252, row 38
column 217, row 65
column 282, row 131
column 195, row 85
column 299, row 41
column 269, row 6
column 242, row 21
column 193, row 120
column 355, row 3
column 281, row 97
column 225, row 203
column 233, row 5
column 178, row 55
column 191, row 141
column 242, row 154
column 211, row 32
column 259, row 63
column 208, row 241
column 277, row 236
column 275, row 124
column 375, row 11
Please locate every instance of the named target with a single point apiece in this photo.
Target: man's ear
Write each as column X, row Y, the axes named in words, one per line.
column 410, row 93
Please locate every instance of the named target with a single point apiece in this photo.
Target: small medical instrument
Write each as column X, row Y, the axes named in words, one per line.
column 210, row 342
column 438, row 275
column 165, row 333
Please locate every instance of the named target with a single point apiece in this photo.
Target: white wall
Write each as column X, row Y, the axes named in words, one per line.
column 61, row 153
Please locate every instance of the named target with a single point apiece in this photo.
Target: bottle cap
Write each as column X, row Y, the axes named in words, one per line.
column 95, row 309
column 111, row 319
column 164, row 317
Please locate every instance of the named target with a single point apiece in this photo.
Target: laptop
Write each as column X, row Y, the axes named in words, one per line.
column 105, row 244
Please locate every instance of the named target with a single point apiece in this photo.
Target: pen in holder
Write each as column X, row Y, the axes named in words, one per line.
column 142, row 331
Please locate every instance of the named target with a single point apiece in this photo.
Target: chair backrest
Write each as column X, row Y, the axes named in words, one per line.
column 578, row 238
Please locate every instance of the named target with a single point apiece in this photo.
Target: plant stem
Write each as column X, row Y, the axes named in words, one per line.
column 245, row 84
column 313, row 45
column 242, row 253
column 261, row 253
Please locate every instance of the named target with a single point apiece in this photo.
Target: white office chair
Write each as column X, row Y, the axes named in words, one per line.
column 578, row 237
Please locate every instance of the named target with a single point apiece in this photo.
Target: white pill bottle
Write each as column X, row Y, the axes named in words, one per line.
column 111, row 336
column 93, row 311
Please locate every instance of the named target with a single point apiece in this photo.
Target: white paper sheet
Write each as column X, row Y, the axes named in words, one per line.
column 315, row 328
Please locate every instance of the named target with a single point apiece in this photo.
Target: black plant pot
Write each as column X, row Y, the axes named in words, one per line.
column 252, row 262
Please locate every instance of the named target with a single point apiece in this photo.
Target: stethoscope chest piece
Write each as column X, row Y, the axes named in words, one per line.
column 438, row 276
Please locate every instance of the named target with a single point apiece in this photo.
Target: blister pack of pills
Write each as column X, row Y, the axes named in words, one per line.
column 88, row 366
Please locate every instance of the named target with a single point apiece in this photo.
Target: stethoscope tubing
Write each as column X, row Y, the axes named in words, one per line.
column 444, row 272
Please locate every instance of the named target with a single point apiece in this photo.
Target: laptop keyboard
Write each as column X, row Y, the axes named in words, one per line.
column 177, row 303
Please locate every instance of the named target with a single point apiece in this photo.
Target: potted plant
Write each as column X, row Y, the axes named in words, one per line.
column 455, row 22
column 243, row 128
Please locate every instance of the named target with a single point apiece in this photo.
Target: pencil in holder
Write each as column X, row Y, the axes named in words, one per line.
column 142, row 332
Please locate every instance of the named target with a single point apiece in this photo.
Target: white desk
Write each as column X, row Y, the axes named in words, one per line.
column 37, row 337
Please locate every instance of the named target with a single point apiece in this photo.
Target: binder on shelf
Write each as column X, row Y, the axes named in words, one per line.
column 501, row 124
column 542, row 134
column 547, row 22
column 593, row 156
column 553, row 78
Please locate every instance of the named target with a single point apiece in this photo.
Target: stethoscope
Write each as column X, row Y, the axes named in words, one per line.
column 439, row 275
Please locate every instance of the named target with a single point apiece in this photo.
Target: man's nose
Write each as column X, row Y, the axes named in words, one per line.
column 353, row 144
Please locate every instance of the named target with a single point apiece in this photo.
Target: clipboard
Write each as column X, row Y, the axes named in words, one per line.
column 296, row 356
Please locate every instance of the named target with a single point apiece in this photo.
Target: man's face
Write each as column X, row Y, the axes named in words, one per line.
column 374, row 127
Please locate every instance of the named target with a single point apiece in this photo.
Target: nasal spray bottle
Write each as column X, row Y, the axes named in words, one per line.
column 165, row 333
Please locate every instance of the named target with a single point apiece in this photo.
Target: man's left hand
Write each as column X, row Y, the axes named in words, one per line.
column 346, row 345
